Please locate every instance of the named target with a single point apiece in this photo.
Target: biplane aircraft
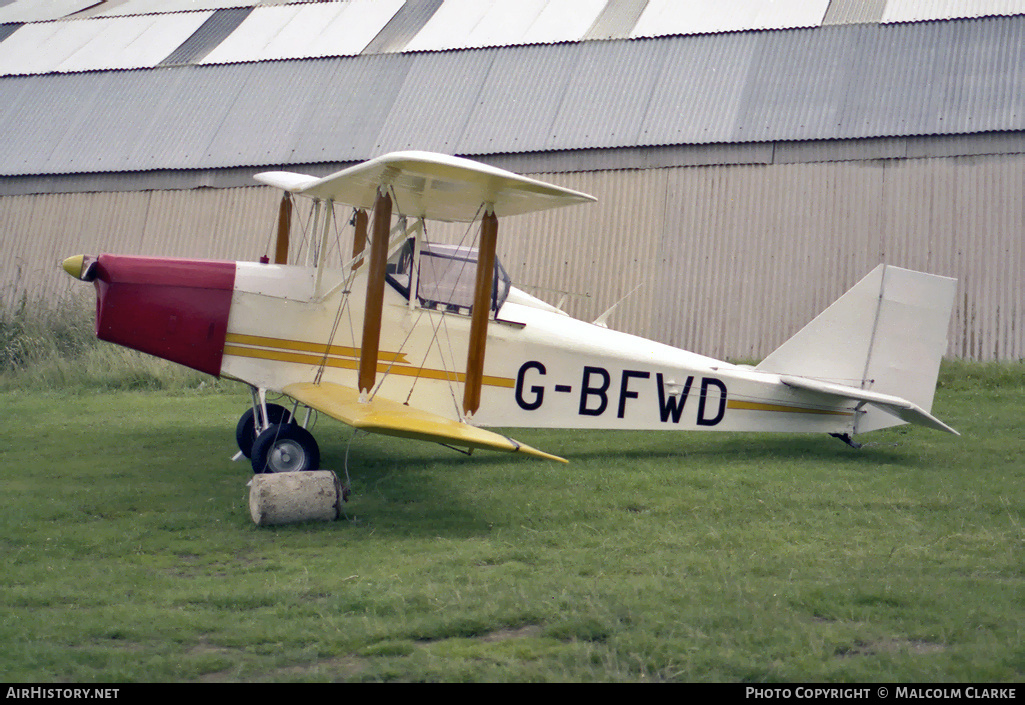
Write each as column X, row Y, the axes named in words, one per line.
column 429, row 341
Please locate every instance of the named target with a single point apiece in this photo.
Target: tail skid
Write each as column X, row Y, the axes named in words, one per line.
column 880, row 344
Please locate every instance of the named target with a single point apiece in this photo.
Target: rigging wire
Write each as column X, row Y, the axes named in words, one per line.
column 342, row 306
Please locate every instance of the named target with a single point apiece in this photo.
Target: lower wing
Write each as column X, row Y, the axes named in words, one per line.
column 393, row 419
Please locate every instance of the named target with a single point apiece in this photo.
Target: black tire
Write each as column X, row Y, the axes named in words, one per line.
column 285, row 448
column 245, row 432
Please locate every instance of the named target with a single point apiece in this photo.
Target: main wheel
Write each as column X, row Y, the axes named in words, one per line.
column 245, row 432
column 285, row 448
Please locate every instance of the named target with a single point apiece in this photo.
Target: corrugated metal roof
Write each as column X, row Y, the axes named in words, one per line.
column 460, row 24
column 840, row 82
column 305, row 31
column 7, row 30
column 409, row 20
column 919, row 10
column 209, row 35
column 667, row 17
column 102, row 36
column 42, row 10
column 118, row 43
column 854, row 11
column 617, row 19
column 147, row 7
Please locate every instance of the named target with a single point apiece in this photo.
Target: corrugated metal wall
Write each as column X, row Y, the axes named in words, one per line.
column 732, row 259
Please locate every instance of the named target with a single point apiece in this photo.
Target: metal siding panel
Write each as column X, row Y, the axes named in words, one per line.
column 831, row 83
column 919, row 10
column 254, row 33
column 190, row 107
column 46, row 229
column 503, row 24
column 407, row 22
column 607, row 100
column 22, row 134
column 146, row 7
column 280, row 126
column 617, row 20
column 347, row 33
column 454, row 20
column 733, row 262
column 345, row 124
column 854, row 11
column 797, row 84
column 132, row 42
column 668, row 17
column 515, row 111
column 209, row 35
column 42, row 10
column 431, row 113
column 7, row 30
column 20, row 53
column 562, row 21
column 40, row 124
column 468, row 24
column 119, row 43
column 746, row 264
column 696, row 97
column 305, row 31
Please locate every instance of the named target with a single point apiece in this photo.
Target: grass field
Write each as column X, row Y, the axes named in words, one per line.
column 129, row 553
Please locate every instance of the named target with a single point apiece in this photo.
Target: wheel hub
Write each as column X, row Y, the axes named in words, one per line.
column 287, row 456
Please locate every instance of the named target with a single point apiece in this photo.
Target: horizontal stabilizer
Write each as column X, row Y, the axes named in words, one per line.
column 901, row 408
column 888, row 333
column 393, row 419
column 431, row 186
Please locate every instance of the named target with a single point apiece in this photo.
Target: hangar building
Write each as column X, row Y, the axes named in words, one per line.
column 751, row 164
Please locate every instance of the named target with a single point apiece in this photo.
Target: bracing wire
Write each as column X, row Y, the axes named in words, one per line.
column 342, row 306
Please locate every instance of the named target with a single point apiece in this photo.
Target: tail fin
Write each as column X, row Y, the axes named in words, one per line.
column 887, row 335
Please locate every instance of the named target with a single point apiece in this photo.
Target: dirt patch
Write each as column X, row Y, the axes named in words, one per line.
column 890, row 646
column 531, row 630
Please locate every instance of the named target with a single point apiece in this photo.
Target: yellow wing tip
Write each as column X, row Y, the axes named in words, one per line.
column 538, row 453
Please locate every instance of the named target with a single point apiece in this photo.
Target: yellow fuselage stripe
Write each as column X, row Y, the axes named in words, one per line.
column 347, row 364
column 758, row 406
column 302, row 346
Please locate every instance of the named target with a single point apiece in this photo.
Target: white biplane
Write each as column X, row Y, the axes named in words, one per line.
column 421, row 340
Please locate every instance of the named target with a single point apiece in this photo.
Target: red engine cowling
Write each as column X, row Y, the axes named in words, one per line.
column 176, row 309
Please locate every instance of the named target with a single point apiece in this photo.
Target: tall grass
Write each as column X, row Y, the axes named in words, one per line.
column 52, row 346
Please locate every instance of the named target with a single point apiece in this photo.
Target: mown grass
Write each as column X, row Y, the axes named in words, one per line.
column 130, row 554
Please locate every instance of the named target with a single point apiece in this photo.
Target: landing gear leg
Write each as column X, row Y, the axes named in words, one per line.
column 257, row 419
column 269, row 436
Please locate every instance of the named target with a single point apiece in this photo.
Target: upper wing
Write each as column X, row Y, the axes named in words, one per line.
column 431, row 186
column 393, row 419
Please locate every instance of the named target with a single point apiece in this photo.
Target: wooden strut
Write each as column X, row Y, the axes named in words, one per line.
column 481, row 312
column 284, row 229
column 375, row 293
column 359, row 242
